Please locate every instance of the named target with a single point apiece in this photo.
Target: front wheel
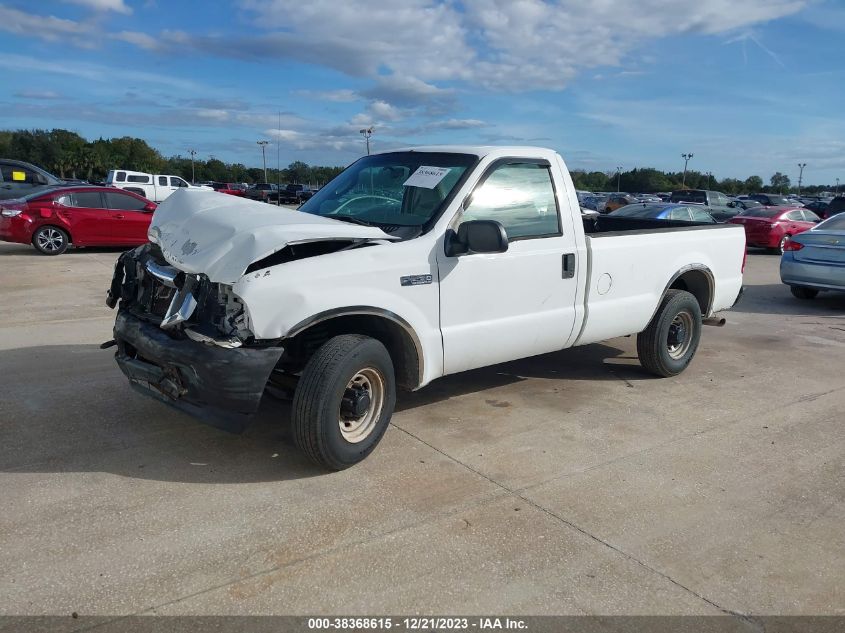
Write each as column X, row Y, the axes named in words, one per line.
column 344, row 401
column 670, row 341
column 802, row 292
column 50, row 240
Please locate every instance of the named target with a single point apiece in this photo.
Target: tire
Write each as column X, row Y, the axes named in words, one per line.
column 802, row 292
column 324, row 425
column 782, row 243
column 50, row 240
column 658, row 346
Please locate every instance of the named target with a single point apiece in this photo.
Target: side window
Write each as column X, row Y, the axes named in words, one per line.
column 144, row 180
column 87, row 199
column 795, row 216
column 177, row 182
column 16, row 174
column 162, row 181
column 809, row 216
column 120, row 176
column 521, row 197
column 681, row 213
column 122, row 202
column 64, row 200
column 700, row 215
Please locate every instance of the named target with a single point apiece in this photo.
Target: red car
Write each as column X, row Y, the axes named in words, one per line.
column 232, row 188
column 770, row 227
column 81, row 215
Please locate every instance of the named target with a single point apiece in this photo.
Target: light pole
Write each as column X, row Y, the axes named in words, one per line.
column 193, row 153
column 801, row 166
column 686, row 158
column 618, row 177
column 709, row 177
column 367, row 133
column 837, row 187
column 264, row 144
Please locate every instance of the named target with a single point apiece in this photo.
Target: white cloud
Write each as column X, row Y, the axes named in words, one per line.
column 118, row 6
column 338, row 96
column 141, row 40
column 45, row 27
column 38, row 94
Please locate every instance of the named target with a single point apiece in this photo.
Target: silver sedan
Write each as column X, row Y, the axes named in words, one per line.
column 815, row 260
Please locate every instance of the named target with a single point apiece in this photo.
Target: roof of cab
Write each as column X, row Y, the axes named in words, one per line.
column 482, row 150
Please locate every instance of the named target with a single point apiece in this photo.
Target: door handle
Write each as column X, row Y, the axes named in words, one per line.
column 119, row 216
column 568, row 265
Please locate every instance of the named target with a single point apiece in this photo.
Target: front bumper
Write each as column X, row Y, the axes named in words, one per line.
column 218, row 385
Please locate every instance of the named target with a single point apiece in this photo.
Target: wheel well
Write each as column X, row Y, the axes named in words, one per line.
column 699, row 283
column 55, row 226
column 397, row 339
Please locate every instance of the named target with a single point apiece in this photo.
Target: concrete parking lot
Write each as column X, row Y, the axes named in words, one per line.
column 571, row 483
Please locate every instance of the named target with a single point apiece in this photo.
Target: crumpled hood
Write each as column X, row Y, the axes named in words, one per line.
column 220, row 235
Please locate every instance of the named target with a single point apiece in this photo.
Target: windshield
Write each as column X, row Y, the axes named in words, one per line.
column 689, row 196
column 778, row 201
column 398, row 189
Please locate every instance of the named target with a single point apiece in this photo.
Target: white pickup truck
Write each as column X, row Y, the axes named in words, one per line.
column 409, row 266
column 155, row 187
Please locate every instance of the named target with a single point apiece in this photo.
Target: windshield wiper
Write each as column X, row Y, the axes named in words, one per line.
column 349, row 218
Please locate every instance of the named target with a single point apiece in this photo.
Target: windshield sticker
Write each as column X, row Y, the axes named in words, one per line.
column 18, row 176
column 427, row 177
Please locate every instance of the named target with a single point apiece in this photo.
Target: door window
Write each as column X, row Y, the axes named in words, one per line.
column 17, row 174
column 700, row 215
column 681, row 213
column 87, row 199
column 162, row 181
column 177, row 182
column 795, row 216
column 520, row 196
column 809, row 216
column 122, row 202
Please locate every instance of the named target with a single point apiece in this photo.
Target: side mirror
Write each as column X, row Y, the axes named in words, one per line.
column 40, row 179
column 732, row 205
column 477, row 236
column 150, row 206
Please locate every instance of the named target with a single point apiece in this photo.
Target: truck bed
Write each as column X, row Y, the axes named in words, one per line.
column 594, row 225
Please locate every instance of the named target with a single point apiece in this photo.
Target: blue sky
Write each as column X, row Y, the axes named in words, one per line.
column 748, row 86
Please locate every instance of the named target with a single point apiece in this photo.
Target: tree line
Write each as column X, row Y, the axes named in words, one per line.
column 68, row 155
column 650, row 180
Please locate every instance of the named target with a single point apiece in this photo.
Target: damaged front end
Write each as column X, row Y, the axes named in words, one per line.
column 185, row 340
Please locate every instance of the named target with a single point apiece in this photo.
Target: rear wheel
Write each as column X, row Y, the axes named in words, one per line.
column 344, row 401
column 782, row 243
column 802, row 292
column 670, row 341
column 50, row 240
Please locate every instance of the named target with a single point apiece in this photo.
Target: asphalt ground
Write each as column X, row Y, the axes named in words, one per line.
column 570, row 483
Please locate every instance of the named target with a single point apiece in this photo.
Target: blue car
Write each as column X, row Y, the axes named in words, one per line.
column 815, row 260
column 664, row 211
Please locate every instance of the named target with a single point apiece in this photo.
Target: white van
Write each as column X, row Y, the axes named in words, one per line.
column 155, row 187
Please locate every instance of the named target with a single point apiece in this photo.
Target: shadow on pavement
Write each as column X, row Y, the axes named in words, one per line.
column 777, row 299
column 68, row 408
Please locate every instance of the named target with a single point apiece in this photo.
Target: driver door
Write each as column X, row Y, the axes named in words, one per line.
column 502, row 306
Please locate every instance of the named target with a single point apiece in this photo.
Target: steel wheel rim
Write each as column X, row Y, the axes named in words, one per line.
column 679, row 338
column 357, row 428
column 50, row 239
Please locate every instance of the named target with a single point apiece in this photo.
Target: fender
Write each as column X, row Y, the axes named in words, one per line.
column 366, row 311
column 711, row 285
